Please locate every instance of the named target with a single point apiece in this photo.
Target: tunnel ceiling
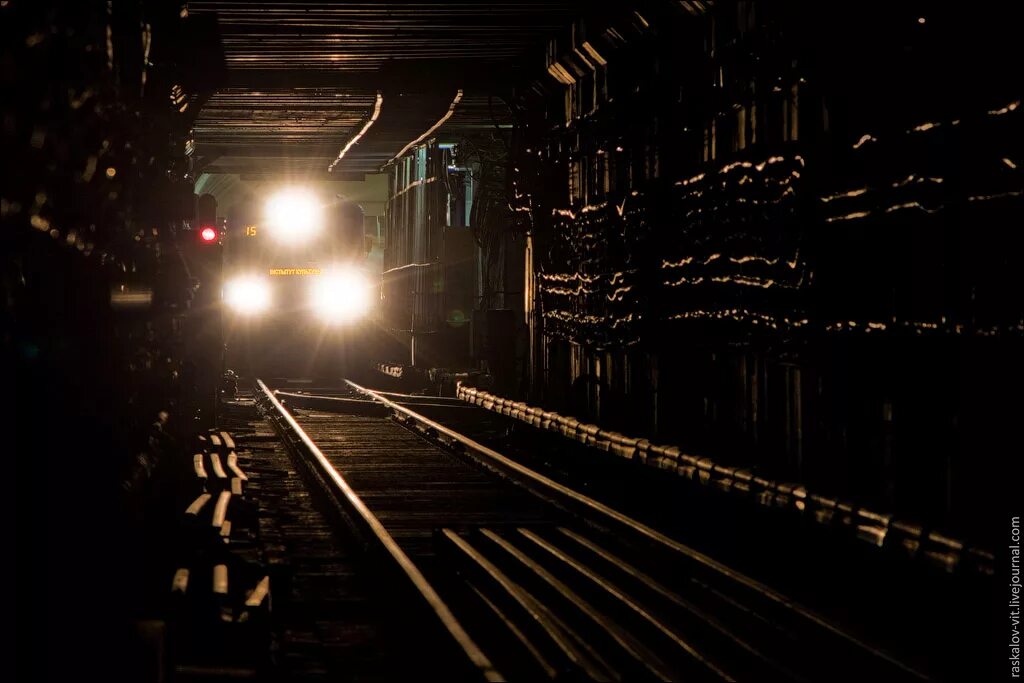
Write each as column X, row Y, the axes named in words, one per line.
column 304, row 80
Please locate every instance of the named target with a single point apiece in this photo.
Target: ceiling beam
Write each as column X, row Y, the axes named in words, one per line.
column 319, row 176
column 275, row 152
column 419, row 76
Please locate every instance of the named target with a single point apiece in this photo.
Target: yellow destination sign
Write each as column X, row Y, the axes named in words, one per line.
column 294, row 271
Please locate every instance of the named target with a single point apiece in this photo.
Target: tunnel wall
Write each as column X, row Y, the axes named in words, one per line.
column 95, row 194
column 779, row 234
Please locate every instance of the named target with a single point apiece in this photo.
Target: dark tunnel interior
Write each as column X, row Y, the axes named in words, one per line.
column 766, row 252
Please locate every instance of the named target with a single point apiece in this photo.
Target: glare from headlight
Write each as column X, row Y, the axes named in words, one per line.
column 341, row 296
column 247, row 295
column 293, row 215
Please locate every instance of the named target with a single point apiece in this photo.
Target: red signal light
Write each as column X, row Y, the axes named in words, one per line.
column 208, row 234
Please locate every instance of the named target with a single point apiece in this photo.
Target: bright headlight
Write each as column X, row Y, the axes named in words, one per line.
column 247, row 295
column 341, row 296
column 293, row 215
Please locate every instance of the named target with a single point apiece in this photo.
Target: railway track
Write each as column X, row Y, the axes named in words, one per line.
column 512, row 575
column 328, row 621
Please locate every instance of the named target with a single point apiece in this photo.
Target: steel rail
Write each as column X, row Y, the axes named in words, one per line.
column 876, row 528
column 354, row 406
column 358, row 404
column 565, row 497
column 386, row 542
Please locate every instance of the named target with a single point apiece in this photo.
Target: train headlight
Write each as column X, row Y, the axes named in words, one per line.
column 247, row 294
column 341, row 296
column 293, row 215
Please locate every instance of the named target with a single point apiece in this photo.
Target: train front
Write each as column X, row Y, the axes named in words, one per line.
column 297, row 296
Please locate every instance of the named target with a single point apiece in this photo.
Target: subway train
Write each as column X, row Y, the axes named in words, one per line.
column 296, row 295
